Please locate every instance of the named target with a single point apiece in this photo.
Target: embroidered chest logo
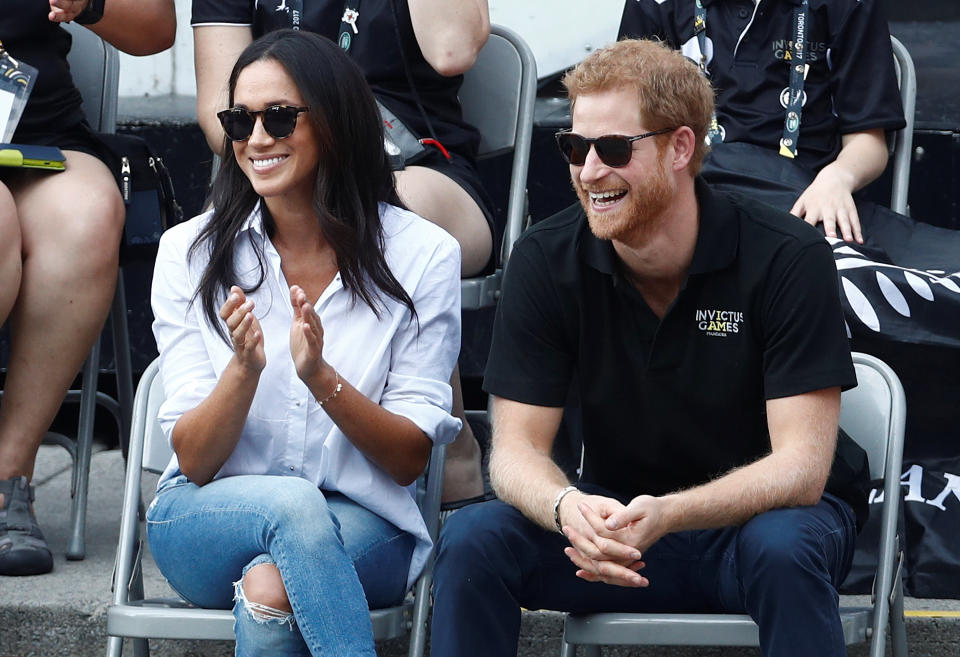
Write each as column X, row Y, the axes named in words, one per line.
column 782, row 50
column 719, row 323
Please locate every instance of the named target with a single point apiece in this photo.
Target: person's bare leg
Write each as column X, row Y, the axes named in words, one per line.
column 70, row 224
column 10, row 260
column 435, row 197
column 462, row 474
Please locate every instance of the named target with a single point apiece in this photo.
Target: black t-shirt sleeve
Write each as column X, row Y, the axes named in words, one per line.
column 228, row 12
column 865, row 91
column 642, row 20
column 530, row 360
column 805, row 346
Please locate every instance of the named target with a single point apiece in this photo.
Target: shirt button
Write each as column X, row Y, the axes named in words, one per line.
column 743, row 13
column 298, row 402
column 291, row 468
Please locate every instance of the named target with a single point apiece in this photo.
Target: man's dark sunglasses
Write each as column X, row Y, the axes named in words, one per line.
column 278, row 120
column 613, row 150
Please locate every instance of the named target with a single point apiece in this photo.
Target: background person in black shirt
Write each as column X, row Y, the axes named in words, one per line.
column 704, row 337
column 59, row 242
column 850, row 91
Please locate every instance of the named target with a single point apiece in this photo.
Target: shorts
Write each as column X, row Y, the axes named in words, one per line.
column 461, row 171
column 78, row 137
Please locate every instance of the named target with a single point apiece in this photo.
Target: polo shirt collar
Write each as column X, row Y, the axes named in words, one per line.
column 717, row 237
column 707, row 3
column 718, row 234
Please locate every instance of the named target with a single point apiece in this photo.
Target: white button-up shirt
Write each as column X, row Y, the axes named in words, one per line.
column 402, row 364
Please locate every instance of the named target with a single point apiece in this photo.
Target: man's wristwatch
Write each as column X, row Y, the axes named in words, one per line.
column 556, row 505
column 92, row 13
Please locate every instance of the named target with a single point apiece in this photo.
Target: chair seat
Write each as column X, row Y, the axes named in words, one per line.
column 480, row 292
column 173, row 618
column 689, row 629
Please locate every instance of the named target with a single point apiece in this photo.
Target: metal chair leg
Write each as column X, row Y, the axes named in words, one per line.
column 141, row 648
column 898, row 630
column 76, row 547
column 114, row 646
column 567, row 649
column 121, row 356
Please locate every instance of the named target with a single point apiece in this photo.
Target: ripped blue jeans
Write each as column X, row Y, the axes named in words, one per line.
column 337, row 560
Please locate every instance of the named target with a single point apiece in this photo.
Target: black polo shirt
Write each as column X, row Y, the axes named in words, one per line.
column 851, row 85
column 375, row 47
column 674, row 403
column 27, row 34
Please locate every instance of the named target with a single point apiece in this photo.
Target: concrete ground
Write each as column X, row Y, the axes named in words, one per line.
column 64, row 613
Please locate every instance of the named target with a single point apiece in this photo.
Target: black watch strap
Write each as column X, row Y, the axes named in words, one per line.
column 91, row 14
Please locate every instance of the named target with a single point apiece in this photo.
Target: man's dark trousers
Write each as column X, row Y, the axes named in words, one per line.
column 782, row 567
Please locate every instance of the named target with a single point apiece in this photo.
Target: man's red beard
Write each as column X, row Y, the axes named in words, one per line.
column 640, row 214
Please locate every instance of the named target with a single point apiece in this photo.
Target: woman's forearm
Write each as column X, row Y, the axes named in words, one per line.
column 205, row 436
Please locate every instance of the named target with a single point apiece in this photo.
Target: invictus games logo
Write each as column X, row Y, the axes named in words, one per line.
column 719, row 323
column 783, row 50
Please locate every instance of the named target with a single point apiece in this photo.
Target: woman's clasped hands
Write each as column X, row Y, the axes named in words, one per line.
column 306, row 335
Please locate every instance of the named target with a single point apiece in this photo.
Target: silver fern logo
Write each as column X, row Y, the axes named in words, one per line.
column 902, row 290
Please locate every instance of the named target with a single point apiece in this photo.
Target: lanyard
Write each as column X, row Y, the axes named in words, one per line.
column 796, row 58
column 296, row 12
column 348, row 23
column 798, row 73
column 714, row 136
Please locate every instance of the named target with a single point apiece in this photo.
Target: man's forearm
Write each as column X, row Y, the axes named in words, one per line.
column 527, row 479
column 780, row 479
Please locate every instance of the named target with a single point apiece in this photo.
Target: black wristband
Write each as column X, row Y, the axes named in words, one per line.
column 91, row 14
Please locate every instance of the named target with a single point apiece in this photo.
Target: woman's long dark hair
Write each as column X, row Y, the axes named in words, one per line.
column 354, row 176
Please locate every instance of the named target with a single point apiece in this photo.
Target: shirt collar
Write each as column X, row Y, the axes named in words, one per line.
column 718, row 237
column 707, row 3
column 254, row 220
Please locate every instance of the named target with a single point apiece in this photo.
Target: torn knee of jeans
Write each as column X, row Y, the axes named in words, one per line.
column 262, row 613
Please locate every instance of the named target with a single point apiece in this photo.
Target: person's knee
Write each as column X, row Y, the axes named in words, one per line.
column 10, row 241
column 295, row 500
column 780, row 544
column 475, row 541
column 99, row 221
column 262, row 592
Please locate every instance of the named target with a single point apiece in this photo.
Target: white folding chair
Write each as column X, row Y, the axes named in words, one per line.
column 497, row 96
column 873, row 414
column 172, row 618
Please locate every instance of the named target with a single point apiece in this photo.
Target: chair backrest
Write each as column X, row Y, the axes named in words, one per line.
column 903, row 140
column 95, row 67
column 498, row 96
column 156, row 448
column 874, row 413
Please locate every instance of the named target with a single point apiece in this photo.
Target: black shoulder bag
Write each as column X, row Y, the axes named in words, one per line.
column 147, row 191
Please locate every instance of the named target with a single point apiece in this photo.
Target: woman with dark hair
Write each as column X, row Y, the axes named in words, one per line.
column 307, row 329
column 413, row 54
